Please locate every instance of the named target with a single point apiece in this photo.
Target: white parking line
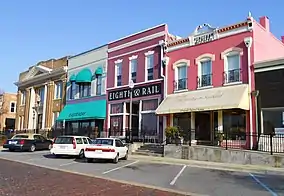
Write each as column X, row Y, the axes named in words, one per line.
column 39, row 158
column 178, row 175
column 70, row 163
column 117, row 168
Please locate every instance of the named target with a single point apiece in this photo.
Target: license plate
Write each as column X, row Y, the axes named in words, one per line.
column 12, row 142
column 99, row 151
column 62, row 147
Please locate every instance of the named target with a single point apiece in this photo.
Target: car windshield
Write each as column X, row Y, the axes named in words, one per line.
column 64, row 140
column 20, row 137
column 108, row 142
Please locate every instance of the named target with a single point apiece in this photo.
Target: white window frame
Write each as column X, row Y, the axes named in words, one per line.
column 116, row 63
column 147, row 54
column 15, row 106
column 198, row 62
column 23, row 97
column 176, row 66
column 230, row 52
column 134, row 57
column 56, row 89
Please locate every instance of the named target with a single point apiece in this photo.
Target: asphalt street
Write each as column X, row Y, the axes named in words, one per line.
column 181, row 178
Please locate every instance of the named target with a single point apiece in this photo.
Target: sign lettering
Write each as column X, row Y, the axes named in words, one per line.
column 77, row 114
column 142, row 91
column 204, row 38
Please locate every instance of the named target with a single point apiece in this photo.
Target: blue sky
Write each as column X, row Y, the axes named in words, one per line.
column 33, row 30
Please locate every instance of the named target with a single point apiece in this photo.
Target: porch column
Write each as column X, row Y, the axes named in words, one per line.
column 124, row 119
column 192, row 127
column 140, row 118
column 171, row 120
column 44, row 107
column 32, row 118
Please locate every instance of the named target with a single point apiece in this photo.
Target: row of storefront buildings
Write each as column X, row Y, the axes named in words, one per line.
column 150, row 80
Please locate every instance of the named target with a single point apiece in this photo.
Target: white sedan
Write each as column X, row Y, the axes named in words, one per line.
column 106, row 148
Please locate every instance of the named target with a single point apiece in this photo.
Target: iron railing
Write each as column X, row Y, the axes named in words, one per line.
column 231, row 76
column 180, row 84
column 204, row 80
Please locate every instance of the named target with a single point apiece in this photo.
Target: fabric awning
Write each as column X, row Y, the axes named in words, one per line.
column 99, row 71
column 84, row 75
column 83, row 111
column 227, row 97
column 72, row 78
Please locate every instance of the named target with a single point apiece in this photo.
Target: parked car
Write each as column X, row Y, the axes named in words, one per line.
column 70, row 146
column 106, row 148
column 28, row 142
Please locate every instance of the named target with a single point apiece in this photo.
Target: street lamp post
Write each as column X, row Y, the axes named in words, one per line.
column 131, row 86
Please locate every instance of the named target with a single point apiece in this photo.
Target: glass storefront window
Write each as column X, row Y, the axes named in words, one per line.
column 116, row 108
column 273, row 119
column 149, row 104
column 149, row 124
column 116, row 125
column 234, row 124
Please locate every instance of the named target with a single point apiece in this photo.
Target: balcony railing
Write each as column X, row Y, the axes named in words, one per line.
column 204, row 80
column 180, row 84
column 232, row 76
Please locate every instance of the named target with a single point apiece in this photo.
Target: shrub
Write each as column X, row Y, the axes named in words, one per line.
column 171, row 131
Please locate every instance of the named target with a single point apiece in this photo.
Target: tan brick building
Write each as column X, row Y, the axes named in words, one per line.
column 41, row 94
column 8, row 105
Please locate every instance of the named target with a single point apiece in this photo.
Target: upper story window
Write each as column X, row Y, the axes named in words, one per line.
column 232, row 65
column 12, row 107
column 118, row 72
column 58, row 90
column 180, row 68
column 149, row 72
column 84, row 90
column 41, row 94
column 23, row 98
column 204, row 63
column 133, row 68
column 73, row 90
column 99, row 85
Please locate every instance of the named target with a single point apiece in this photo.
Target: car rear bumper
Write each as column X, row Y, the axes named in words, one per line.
column 104, row 155
column 15, row 147
column 64, row 152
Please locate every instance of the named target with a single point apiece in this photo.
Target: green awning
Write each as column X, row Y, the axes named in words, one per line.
column 83, row 111
column 72, row 78
column 84, row 75
column 99, row 71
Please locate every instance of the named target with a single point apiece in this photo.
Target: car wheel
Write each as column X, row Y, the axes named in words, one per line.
column 11, row 150
column 32, row 148
column 126, row 156
column 115, row 160
column 89, row 160
column 81, row 154
column 49, row 146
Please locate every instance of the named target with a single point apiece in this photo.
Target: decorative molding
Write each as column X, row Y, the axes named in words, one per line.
column 180, row 63
column 205, row 56
column 149, row 53
column 133, row 57
column 118, row 61
column 137, row 41
column 231, row 51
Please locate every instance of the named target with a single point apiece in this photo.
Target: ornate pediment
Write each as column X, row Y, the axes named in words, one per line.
column 203, row 33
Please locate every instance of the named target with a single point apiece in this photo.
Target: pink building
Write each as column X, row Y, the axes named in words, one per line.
column 136, row 58
column 210, row 80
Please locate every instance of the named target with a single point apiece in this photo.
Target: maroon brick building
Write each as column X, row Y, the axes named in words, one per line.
column 137, row 57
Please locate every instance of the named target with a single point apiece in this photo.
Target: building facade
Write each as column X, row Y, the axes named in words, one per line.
column 211, row 73
column 41, row 94
column 269, row 79
column 136, row 60
column 85, row 110
column 8, row 107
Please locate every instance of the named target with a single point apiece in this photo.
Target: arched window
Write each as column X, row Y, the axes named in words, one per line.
column 204, row 63
column 181, row 76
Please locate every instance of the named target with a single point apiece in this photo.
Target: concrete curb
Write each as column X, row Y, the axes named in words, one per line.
column 210, row 165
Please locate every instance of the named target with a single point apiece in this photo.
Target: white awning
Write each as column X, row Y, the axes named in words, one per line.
column 226, row 97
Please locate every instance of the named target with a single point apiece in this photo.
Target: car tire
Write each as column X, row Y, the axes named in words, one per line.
column 115, row 160
column 126, row 156
column 89, row 160
column 32, row 148
column 81, row 154
column 11, row 150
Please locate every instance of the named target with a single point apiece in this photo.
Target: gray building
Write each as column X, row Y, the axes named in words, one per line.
column 269, row 81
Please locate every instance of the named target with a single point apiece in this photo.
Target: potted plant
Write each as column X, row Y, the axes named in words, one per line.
column 171, row 133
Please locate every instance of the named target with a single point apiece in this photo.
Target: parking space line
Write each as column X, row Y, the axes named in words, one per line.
column 39, row 158
column 117, row 168
column 70, row 163
column 178, row 175
column 263, row 185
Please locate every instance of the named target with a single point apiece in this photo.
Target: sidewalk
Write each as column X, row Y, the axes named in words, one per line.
column 210, row 165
